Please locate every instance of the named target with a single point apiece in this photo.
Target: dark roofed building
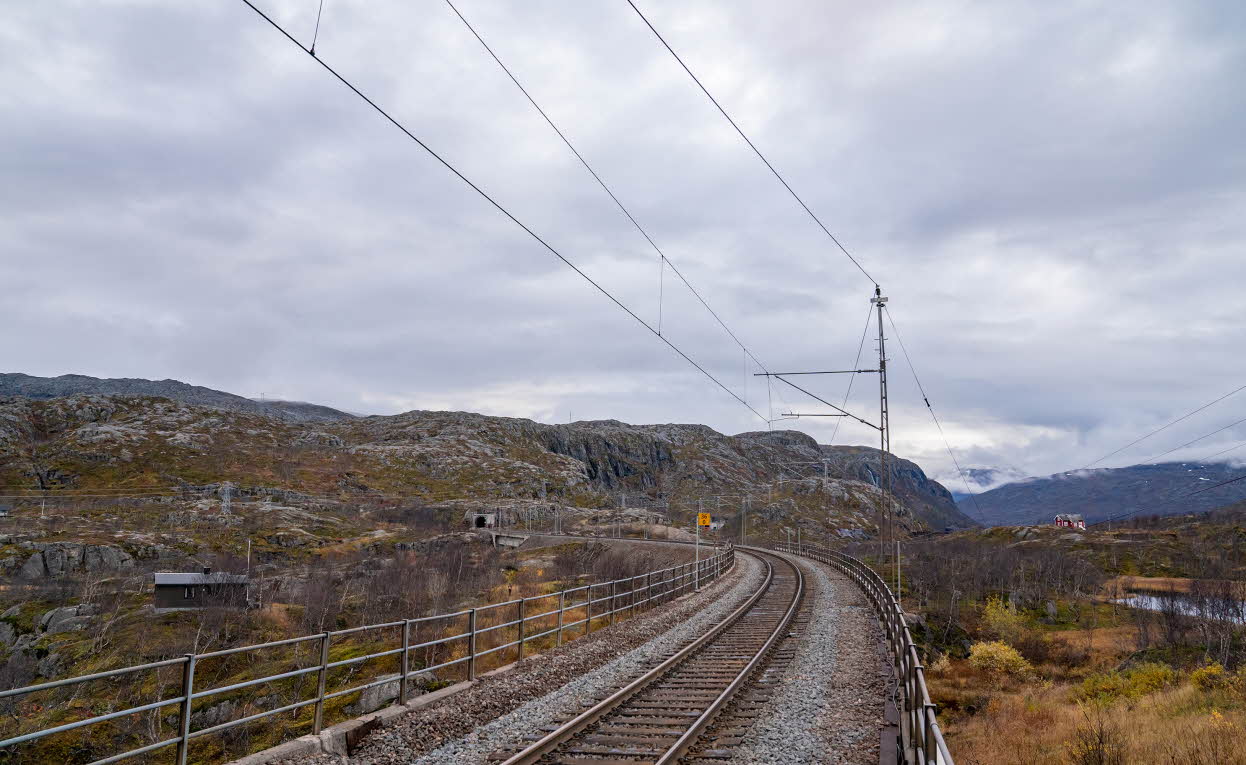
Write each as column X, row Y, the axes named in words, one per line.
column 199, row 590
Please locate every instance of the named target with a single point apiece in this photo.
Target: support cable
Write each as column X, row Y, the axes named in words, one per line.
column 498, row 206
column 316, row 34
column 972, row 497
column 869, row 314
column 752, row 146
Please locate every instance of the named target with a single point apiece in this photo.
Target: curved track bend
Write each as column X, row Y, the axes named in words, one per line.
column 662, row 715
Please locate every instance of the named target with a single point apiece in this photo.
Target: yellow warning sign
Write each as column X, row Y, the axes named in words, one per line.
column 703, row 519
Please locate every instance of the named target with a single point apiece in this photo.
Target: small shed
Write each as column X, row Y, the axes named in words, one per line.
column 199, row 590
column 481, row 520
column 5, row 510
column 1070, row 521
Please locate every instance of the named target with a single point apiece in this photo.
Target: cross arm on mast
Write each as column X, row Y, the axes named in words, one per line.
column 828, row 403
column 836, row 372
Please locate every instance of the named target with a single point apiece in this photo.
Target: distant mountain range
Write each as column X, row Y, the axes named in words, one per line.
column 1098, row 494
column 27, row 386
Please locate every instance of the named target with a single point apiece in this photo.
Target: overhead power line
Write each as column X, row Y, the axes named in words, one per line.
column 1196, row 440
column 1164, row 427
column 1155, row 508
column 498, row 206
column 753, row 146
column 609, row 191
column 972, row 497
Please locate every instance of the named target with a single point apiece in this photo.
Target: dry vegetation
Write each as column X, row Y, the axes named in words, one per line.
column 308, row 591
column 1031, row 659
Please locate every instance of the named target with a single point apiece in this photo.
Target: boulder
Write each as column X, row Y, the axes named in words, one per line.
column 50, row 666
column 8, row 635
column 214, row 715
column 67, row 618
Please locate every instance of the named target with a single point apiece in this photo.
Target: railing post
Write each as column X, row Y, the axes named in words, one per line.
column 931, row 746
column 588, row 610
column 612, row 591
column 471, row 644
column 321, row 678
column 188, row 689
column 522, row 613
column 404, row 662
column 562, row 608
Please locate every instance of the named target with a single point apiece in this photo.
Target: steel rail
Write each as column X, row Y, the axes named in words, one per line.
column 680, row 747
column 551, row 741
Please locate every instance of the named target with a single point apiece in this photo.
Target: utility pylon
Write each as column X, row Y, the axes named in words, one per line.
column 884, row 435
column 887, row 525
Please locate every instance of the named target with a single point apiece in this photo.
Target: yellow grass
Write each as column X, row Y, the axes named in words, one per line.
column 1182, row 725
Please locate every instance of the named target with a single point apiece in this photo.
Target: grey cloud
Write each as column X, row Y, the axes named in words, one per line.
column 1052, row 195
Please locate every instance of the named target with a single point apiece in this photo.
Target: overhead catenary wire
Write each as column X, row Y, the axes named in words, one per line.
column 921, row 389
column 500, row 208
column 752, row 146
column 663, row 260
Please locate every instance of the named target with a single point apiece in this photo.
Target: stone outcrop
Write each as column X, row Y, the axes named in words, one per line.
column 58, row 559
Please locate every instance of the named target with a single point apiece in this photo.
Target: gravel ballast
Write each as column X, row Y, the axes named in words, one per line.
column 830, row 706
column 499, row 710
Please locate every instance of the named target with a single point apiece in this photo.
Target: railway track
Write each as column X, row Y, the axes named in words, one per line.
column 665, row 714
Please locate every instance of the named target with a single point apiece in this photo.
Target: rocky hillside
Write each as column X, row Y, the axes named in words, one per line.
column 82, row 442
column 16, row 384
column 1099, row 494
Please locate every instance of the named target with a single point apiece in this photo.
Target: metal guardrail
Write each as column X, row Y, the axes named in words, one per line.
column 658, row 586
column 921, row 740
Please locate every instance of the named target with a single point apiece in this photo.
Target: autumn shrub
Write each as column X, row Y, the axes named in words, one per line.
column 1001, row 621
column 1133, row 683
column 999, row 660
column 1210, row 677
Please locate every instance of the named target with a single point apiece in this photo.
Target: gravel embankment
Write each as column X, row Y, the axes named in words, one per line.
column 499, row 710
column 830, row 706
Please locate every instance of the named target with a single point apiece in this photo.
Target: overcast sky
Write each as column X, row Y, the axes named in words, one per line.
column 1051, row 194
